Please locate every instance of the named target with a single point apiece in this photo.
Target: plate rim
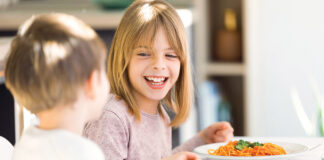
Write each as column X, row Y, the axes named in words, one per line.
column 306, row 149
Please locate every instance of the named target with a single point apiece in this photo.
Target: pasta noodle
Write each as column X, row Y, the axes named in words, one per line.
column 229, row 149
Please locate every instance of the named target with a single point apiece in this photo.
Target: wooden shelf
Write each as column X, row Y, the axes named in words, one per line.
column 230, row 76
column 225, row 69
column 93, row 15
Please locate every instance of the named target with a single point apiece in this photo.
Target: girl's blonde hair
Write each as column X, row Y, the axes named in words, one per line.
column 140, row 24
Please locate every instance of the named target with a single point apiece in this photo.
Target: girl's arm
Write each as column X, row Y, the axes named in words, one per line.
column 110, row 133
column 217, row 132
column 189, row 145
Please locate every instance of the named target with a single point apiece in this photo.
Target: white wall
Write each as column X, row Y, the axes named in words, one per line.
column 285, row 48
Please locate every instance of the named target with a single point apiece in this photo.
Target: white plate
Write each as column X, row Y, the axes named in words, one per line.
column 292, row 150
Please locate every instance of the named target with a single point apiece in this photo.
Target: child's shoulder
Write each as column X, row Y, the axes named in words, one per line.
column 39, row 144
column 114, row 115
column 116, row 106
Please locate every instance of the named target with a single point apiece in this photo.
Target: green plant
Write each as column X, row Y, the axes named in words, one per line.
column 316, row 123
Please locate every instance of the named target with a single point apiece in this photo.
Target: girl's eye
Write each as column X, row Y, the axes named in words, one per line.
column 171, row 55
column 143, row 54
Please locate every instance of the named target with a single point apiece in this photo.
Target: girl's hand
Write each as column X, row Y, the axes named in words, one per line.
column 182, row 156
column 217, row 132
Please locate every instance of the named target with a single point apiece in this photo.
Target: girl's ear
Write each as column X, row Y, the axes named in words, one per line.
column 91, row 84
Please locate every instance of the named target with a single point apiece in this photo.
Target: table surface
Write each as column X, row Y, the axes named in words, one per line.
column 316, row 145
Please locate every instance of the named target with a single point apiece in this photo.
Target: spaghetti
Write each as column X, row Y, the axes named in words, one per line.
column 231, row 149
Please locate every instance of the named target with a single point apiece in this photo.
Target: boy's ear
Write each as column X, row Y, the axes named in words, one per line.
column 91, row 83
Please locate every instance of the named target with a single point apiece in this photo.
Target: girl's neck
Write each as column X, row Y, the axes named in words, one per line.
column 149, row 108
column 147, row 105
column 62, row 117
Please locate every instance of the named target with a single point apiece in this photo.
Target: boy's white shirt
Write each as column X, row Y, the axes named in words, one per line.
column 38, row 144
column 5, row 149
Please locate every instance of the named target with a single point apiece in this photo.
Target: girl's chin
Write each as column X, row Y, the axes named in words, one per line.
column 156, row 97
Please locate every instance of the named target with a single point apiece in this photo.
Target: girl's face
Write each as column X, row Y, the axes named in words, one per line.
column 153, row 71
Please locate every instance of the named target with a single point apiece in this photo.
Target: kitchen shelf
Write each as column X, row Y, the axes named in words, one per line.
column 88, row 12
column 229, row 75
column 225, row 69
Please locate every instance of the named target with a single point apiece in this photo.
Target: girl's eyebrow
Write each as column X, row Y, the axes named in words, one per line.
column 145, row 47
column 140, row 46
column 169, row 49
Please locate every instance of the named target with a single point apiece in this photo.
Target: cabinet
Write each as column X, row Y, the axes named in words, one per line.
column 228, row 73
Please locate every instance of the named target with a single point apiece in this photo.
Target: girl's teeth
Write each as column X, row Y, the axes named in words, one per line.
column 155, row 79
column 157, row 83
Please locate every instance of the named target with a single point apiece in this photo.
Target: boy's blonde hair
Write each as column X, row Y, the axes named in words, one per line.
column 50, row 59
column 139, row 25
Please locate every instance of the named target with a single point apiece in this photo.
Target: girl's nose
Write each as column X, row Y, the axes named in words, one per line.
column 159, row 63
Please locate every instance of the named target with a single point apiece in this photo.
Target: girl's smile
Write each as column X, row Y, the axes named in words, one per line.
column 156, row 82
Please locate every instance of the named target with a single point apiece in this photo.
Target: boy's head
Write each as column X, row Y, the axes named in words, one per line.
column 51, row 59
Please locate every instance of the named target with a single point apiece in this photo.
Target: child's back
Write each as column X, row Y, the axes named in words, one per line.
column 38, row 144
column 56, row 70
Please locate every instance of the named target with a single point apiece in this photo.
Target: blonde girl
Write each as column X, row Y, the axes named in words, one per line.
column 149, row 73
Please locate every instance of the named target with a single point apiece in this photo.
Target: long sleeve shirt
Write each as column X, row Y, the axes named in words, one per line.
column 121, row 136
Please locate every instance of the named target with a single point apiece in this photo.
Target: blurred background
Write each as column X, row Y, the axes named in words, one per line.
column 258, row 64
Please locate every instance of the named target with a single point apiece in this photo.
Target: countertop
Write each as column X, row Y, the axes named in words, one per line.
column 90, row 13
